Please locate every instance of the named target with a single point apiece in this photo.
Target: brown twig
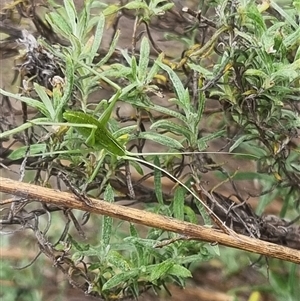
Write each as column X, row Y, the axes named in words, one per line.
column 58, row 198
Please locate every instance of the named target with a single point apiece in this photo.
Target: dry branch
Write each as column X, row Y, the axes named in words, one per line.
column 197, row 232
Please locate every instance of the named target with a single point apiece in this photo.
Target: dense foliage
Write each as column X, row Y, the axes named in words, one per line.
column 236, row 85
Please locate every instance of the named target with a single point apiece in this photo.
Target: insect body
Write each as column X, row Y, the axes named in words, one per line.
column 102, row 138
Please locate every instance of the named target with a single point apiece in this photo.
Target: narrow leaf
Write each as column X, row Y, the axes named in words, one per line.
column 72, row 15
column 240, row 140
column 202, row 142
column 161, row 139
column 157, row 182
column 179, row 271
column 111, row 49
column 178, row 203
column 67, row 92
column 46, row 100
column 283, row 13
column 140, row 254
column 203, row 213
column 135, row 5
column 58, row 24
column 167, row 111
column 20, row 152
column 144, row 59
column 120, row 279
column 111, row 9
column 117, row 260
column 172, row 127
column 98, row 37
column 21, row 128
column 29, row 101
column 161, row 270
column 107, row 220
column 179, row 88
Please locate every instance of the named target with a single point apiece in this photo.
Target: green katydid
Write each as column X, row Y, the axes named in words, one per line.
column 100, row 138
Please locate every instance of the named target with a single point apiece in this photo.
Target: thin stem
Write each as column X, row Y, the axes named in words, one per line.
column 229, row 231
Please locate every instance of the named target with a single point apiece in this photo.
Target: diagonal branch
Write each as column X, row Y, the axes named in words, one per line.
column 197, row 232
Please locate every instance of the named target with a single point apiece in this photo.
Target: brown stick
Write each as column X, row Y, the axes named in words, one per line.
column 196, row 232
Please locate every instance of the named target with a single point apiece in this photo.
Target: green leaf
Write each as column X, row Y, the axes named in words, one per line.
column 203, row 71
column 107, row 220
column 254, row 149
column 193, row 258
column 157, row 182
column 127, row 90
column 161, row 270
column 81, row 247
column 190, row 215
column 137, row 167
column 98, row 37
column 284, row 14
column 125, row 133
column 72, row 15
column 134, row 68
column 161, row 139
column 145, row 243
column 153, row 71
column 117, row 70
column 111, row 49
column 178, row 203
column 266, row 199
column 111, row 9
column 202, row 142
column 126, row 56
column 58, row 24
column 293, row 280
column 182, row 94
column 201, row 106
column 140, row 253
column 120, row 279
column 117, row 260
column 256, row 17
column 76, row 51
column 179, row 271
column 133, row 230
column 135, row 5
column 203, row 212
column 256, row 72
column 211, row 250
column 163, row 8
column 22, row 127
column 67, row 92
column 289, row 72
column 29, row 101
column 172, row 127
column 241, row 140
column 169, row 112
column 144, row 59
column 292, row 39
column 20, row 152
column 268, row 38
column 84, row 18
column 46, row 100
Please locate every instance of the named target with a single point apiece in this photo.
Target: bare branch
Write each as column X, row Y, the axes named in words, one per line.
column 197, row 232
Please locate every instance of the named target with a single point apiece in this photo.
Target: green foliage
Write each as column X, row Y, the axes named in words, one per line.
column 144, row 263
column 255, row 79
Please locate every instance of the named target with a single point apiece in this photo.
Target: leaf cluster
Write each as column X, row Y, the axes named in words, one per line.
column 246, row 61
